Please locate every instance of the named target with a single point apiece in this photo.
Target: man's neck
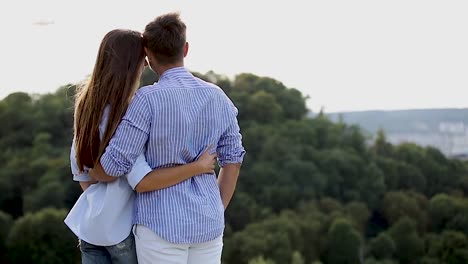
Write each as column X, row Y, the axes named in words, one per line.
column 163, row 68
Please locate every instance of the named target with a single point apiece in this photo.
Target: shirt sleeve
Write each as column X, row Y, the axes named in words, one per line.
column 77, row 175
column 129, row 139
column 230, row 149
column 138, row 172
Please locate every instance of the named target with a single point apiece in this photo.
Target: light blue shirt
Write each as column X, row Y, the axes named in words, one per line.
column 172, row 122
column 103, row 213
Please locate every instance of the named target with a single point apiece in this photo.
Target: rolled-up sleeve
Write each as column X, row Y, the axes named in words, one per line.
column 129, row 139
column 77, row 175
column 230, row 149
column 138, row 172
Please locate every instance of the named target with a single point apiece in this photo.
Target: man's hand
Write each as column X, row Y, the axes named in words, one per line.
column 98, row 174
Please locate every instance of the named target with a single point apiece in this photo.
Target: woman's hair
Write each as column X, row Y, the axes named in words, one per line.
column 113, row 83
column 165, row 37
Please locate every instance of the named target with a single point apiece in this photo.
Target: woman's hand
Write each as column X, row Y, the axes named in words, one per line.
column 206, row 162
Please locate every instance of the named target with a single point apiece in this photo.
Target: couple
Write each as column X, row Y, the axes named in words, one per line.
column 161, row 141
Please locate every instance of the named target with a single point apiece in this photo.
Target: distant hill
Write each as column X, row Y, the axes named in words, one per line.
column 446, row 129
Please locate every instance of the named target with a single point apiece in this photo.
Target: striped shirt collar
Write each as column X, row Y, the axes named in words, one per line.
column 177, row 71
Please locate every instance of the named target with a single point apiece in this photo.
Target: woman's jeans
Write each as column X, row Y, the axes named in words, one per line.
column 122, row 253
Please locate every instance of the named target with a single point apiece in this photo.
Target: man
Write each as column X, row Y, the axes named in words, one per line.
column 173, row 121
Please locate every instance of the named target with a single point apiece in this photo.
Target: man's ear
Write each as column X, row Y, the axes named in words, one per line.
column 147, row 52
column 150, row 56
column 186, row 48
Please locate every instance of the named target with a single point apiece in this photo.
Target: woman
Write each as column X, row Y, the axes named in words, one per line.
column 102, row 216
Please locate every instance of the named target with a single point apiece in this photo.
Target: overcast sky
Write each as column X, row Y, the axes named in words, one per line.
column 346, row 55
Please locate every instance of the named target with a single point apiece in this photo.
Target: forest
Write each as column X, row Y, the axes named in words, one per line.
column 311, row 190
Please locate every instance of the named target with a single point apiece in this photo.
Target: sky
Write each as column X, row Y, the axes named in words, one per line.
column 345, row 55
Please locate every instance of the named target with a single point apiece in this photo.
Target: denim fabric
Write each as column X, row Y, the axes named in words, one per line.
column 122, row 253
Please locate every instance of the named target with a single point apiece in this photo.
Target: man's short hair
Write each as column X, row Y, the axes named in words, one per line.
column 165, row 37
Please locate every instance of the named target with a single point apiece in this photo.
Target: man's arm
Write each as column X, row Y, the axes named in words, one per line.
column 227, row 180
column 230, row 156
column 127, row 143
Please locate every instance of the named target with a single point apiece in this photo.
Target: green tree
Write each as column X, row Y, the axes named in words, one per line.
column 371, row 185
column 275, row 237
column 242, row 210
column 409, row 246
column 297, row 258
column 460, row 220
column 344, row 243
column 263, row 108
column 359, row 213
column 374, row 261
column 397, row 205
column 6, row 222
column 17, row 119
column 442, row 209
column 51, row 194
column 381, row 147
column 382, row 247
column 454, row 247
column 261, row 260
column 448, row 247
column 42, row 237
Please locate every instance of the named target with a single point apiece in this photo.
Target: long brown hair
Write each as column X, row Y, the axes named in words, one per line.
column 113, row 83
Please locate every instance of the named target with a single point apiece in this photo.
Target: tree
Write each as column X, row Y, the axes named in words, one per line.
column 293, row 104
column 297, row 258
column 261, row 260
column 310, row 186
column 242, row 210
column 397, row 205
column 381, row 147
column 409, row 246
column 263, row 108
column 5, row 224
column 382, row 247
column 374, row 261
column 410, row 177
column 359, row 213
column 51, row 194
column 17, row 119
column 344, row 244
column 454, row 247
column 460, row 220
column 275, row 237
column 442, row 209
column 42, row 237
column 448, row 247
column 371, row 185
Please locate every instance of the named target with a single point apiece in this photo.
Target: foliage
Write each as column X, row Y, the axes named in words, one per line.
column 311, row 190
column 42, row 238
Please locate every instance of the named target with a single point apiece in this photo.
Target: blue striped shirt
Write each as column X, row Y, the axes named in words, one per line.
column 172, row 122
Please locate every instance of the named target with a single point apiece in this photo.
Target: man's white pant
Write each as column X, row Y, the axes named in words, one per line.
column 152, row 249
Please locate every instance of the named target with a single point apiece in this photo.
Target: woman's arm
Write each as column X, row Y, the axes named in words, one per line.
column 166, row 177
column 81, row 177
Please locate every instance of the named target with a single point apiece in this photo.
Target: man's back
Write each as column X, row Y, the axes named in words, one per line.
column 188, row 115
column 178, row 118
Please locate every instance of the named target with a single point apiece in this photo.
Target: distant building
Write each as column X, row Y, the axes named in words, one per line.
column 444, row 129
